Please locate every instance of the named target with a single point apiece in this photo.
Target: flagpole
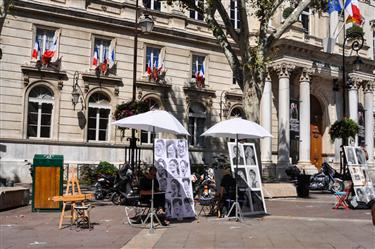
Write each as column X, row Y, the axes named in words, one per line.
column 343, row 67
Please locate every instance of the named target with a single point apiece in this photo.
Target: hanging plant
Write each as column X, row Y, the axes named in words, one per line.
column 343, row 129
column 130, row 108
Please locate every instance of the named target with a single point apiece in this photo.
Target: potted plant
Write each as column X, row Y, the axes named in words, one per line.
column 343, row 129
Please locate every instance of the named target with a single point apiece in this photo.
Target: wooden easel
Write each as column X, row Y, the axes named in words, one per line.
column 71, row 196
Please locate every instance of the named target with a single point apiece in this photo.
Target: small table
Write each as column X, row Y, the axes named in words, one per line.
column 82, row 215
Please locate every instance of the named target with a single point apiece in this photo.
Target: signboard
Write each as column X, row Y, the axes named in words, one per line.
column 249, row 183
column 294, row 118
column 174, row 176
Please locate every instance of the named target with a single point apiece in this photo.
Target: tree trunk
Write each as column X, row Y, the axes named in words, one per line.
column 250, row 100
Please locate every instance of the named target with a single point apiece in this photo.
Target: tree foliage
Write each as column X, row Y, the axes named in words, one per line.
column 247, row 51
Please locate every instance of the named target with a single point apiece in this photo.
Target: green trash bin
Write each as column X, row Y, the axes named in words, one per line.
column 47, row 174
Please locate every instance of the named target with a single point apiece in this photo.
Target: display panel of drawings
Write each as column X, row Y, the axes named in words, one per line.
column 249, row 183
column 172, row 164
column 363, row 186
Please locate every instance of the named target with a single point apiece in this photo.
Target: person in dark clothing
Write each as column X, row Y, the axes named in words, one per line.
column 227, row 190
column 145, row 186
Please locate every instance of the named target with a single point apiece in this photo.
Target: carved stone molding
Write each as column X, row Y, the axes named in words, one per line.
column 306, row 75
column 145, row 87
column 368, row 87
column 116, row 91
column 60, row 84
column 284, row 69
column 30, row 72
column 354, row 82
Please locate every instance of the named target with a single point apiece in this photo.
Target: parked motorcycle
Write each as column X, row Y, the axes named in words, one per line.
column 327, row 179
column 104, row 187
column 123, row 191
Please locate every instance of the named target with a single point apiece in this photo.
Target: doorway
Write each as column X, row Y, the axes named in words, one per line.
column 316, row 118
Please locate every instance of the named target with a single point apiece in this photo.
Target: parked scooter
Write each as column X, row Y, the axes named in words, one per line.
column 123, row 191
column 327, row 179
column 104, row 187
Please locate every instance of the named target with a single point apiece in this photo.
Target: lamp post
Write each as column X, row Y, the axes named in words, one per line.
column 147, row 24
column 357, row 45
column 76, row 92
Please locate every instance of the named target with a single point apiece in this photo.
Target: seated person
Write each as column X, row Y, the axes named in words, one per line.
column 227, row 190
column 145, row 186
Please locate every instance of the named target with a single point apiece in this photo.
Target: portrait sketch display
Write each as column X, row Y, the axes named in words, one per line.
column 358, row 176
column 233, row 152
column 249, row 183
column 350, row 155
column 174, row 176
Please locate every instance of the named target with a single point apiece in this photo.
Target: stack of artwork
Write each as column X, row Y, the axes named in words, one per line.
column 363, row 186
column 249, row 183
column 172, row 164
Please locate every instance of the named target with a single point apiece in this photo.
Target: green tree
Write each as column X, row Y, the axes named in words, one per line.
column 248, row 52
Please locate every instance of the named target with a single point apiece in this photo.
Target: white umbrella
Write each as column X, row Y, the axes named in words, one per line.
column 237, row 128
column 155, row 121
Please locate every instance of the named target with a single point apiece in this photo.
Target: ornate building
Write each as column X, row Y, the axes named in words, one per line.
column 91, row 45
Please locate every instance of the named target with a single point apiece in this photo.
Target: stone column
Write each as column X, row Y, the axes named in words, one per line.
column 283, row 116
column 304, row 162
column 369, row 121
column 353, row 101
column 266, row 122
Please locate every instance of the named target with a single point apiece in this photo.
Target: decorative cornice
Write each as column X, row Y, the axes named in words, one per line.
column 42, row 73
column 102, row 80
column 284, row 69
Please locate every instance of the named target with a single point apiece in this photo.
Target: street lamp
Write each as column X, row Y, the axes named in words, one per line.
column 357, row 45
column 76, row 92
column 147, row 24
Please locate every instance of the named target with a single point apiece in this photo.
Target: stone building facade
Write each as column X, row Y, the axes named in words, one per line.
column 37, row 114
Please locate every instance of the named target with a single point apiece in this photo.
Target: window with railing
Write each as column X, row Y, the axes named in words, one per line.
column 195, row 14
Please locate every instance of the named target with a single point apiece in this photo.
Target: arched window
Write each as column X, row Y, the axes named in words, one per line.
column 98, row 117
column 39, row 113
column 197, row 120
column 237, row 112
column 146, row 136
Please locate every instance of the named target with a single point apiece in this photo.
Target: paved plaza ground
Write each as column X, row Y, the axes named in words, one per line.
column 292, row 223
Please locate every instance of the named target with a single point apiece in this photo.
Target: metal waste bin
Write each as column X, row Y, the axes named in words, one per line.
column 47, row 173
column 303, row 183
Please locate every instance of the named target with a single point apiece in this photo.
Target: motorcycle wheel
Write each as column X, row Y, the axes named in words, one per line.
column 116, row 198
column 336, row 186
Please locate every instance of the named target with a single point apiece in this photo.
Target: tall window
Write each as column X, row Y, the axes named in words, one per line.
column 195, row 14
column 197, row 65
column 45, row 39
column 39, row 114
column 373, row 44
column 197, row 120
column 101, row 50
column 234, row 14
column 98, row 117
column 237, row 112
column 151, row 4
column 146, row 136
column 152, row 57
column 304, row 19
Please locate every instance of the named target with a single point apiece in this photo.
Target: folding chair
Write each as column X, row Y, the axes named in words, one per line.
column 341, row 199
column 206, row 205
column 139, row 209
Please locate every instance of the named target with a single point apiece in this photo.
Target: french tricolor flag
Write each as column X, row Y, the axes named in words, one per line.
column 95, row 57
column 50, row 53
column 36, row 50
column 148, row 70
column 111, row 59
column 352, row 8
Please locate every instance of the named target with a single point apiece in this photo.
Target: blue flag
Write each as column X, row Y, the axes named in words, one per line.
column 334, row 5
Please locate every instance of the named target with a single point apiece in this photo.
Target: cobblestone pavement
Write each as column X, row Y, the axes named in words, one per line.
column 292, row 223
